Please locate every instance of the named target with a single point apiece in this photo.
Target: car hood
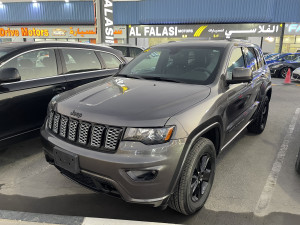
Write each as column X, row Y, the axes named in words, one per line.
column 129, row 102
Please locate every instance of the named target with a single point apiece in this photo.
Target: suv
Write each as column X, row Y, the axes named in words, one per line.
column 151, row 133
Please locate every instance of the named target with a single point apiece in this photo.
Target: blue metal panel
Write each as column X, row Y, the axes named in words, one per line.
column 47, row 13
column 206, row 11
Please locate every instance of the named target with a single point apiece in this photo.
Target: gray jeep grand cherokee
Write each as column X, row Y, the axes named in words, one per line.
column 151, row 133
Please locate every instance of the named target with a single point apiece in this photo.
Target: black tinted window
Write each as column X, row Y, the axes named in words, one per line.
column 110, row 60
column 34, row 64
column 80, row 60
column 133, row 52
column 184, row 64
column 236, row 60
column 251, row 58
column 123, row 49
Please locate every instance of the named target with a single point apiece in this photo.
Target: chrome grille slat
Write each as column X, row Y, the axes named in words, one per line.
column 83, row 132
column 50, row 120
column 97, row 132
column 72, row 129
column 56, row 123
column 112, row 138
column 63, row 126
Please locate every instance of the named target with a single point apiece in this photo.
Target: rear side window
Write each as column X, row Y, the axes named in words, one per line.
column 35, row 64
column 133, row 52
column 250, row 58
column 259, row 58
column 236, row 60
column 110, row 60
column 78, row 60
column 123, row 49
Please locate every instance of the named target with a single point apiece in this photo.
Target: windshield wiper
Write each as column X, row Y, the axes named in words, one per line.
column 163, row 79
column 128, row 76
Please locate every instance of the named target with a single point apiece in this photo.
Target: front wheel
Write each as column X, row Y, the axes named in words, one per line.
column 196, row 180
column 258, row 125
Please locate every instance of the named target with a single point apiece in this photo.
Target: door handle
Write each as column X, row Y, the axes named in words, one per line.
column 59, row 89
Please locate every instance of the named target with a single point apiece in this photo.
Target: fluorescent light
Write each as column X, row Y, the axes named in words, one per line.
column 34, row 1
column 1, row 3
column 66, row 0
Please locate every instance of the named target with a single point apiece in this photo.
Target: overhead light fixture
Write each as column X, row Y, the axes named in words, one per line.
column 1, row 3
column 34, row 1
column 67, row 1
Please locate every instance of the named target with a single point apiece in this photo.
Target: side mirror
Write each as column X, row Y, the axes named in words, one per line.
column 8, row 75
column 240, row 75
column 122, row 65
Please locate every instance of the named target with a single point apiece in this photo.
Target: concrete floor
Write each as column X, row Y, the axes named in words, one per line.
column 29, row 184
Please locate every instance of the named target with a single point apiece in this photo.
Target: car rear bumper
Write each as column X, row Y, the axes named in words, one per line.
column 109, row 173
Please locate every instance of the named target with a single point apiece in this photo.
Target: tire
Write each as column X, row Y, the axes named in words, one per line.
column 298, row 163
column 282, row 73
column 195, row 182
column 258, row 125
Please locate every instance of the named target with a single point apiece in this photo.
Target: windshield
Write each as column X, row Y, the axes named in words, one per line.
column 181, row 64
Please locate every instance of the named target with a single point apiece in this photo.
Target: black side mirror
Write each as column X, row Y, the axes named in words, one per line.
column 122, row 65
column 240, row 75
column 8, row 75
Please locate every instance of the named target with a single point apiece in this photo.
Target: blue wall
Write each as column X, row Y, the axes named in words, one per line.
column 206, row 11
column 47, row 13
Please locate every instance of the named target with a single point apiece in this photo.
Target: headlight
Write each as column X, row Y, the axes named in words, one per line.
column 149, row 136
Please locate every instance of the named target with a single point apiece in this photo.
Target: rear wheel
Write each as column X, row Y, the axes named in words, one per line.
column 258, row 125
column 196, row 179
column 283, row 72
column 298, row 163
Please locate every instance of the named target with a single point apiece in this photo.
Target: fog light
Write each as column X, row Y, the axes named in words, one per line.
column 142, row 175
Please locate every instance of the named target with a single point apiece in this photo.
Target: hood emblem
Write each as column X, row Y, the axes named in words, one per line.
column 76, row 114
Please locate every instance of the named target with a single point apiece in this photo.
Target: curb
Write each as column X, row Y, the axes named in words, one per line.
column 25, row 218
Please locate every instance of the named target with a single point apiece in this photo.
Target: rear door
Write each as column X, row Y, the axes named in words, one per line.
column 81, row 66
column 24, row 103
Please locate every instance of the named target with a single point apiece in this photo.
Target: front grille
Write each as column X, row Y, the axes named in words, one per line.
column 94, row 136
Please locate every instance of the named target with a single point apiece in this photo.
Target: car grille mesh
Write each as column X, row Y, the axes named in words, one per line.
column 84, row 133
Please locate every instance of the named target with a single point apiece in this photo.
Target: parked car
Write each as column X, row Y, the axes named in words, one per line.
column 296, row 74
column 129, row 51
column 280, row 69
column 298, row 163
column 271, row 55
column 286, row 57
column 32, row 73
column 151, row 133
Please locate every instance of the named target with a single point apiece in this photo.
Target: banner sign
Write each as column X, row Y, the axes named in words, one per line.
column 120, row 32
column 107, row 24
column 48, row 32
column 292, row 29
column 206, row 30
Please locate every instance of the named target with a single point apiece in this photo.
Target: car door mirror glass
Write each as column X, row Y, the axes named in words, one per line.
column 8, row 75
column 240, row 75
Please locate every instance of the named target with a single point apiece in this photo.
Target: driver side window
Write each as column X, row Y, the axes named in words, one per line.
column 236, row 60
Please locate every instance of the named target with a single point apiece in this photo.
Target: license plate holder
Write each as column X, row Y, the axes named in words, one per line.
column 66, row 160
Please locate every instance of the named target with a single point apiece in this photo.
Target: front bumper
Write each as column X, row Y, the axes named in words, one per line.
column 296, row 76
column 106, row 172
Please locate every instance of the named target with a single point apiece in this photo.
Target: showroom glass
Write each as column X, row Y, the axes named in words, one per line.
column 35, row 64
column 236, row 60
column 110, row 60
column 183, row 64
column 79, row 60
column 250, row 58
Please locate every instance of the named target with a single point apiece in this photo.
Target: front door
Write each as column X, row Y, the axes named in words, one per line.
column 24, row 103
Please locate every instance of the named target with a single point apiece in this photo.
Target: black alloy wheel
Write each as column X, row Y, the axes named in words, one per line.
column 283, row 72
column 196, row 179
column 201, row 178
column 264, row 116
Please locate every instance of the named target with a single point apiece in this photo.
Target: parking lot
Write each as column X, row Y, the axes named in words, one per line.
column 255, row 180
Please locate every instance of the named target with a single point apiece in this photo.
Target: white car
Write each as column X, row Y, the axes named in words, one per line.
column 296, row 74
